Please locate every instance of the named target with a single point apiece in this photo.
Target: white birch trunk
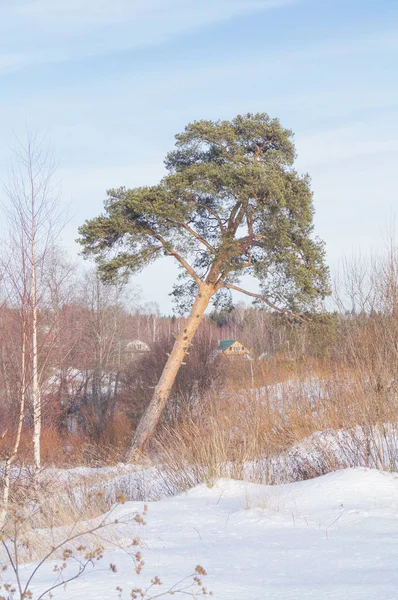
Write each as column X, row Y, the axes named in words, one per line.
column 11, row 459
column 35, row 370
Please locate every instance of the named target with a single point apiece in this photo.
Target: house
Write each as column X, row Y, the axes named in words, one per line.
column 233, row 348
column 135, row 348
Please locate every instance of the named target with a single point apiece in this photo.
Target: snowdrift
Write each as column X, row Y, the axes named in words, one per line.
column 333, row 537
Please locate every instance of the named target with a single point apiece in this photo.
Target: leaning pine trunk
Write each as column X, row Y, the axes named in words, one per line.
column 150, row 418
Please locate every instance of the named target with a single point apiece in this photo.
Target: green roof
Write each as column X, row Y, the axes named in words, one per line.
column 224, row 344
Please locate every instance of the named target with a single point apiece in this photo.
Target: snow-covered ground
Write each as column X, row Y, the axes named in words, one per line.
column 334, row 537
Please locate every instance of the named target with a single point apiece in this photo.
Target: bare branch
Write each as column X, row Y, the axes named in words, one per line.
column 171, row 252
column 262, row 298
column 215, row 215
column 197, row 236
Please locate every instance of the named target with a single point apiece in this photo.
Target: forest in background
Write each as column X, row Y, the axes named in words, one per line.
column 95, row 382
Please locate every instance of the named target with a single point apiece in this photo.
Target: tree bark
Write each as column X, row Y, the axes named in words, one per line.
column 6, row 474
column 151, row 417
column 35, row 369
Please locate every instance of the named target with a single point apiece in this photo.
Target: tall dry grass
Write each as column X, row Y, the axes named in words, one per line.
column 255, row 433
column 319, row 414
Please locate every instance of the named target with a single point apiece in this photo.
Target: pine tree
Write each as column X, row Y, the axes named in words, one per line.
column 230, row 204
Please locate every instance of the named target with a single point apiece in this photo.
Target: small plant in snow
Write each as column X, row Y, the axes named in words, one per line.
column 75, row 550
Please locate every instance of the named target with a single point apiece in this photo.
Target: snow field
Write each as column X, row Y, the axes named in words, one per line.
column 334, row 537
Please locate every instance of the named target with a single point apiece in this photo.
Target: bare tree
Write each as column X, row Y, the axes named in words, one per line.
column 20, row 285
column 34, row 221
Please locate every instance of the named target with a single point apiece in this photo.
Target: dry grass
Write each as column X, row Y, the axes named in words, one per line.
column 54, row 507
column 246, row 433
column 63, row 449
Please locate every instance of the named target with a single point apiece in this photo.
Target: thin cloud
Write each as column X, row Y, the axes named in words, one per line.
column 11, row 61
column 345, row 143
column 47, row 31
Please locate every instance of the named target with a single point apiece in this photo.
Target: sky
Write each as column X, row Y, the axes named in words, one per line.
column 110, row 82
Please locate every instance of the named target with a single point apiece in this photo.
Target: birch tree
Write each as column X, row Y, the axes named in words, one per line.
column 15, row 291
column 33, row 217
column 230, row 204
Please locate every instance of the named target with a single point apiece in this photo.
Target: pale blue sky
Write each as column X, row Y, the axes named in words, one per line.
column 112, row 81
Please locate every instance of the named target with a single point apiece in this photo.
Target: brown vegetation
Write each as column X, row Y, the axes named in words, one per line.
column 333, row 371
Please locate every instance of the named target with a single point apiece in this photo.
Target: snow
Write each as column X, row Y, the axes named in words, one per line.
column 323, row 451
column 312, row 389
column 334, row 537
